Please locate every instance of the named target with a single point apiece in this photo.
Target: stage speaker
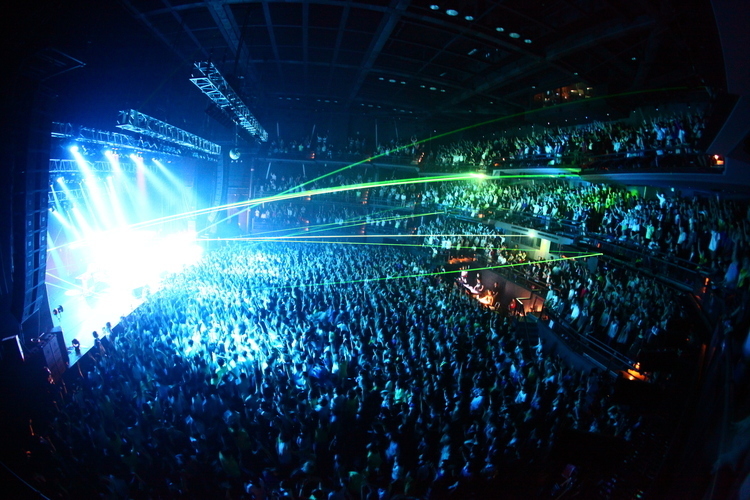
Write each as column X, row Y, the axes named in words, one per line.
column 58, row 333
column 31, row 148
column 52, row 355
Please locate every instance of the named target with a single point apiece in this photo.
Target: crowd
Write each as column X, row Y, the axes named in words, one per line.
column 329, row 218
column 291, row 371
column 663, row 135
column 658, row 137
column 453, row 237
column 711, row 233
column 626, row 309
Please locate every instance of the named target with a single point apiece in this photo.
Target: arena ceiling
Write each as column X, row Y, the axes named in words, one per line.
column 437, row 59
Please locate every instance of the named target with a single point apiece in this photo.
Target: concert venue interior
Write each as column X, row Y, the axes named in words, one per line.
column 383, row 249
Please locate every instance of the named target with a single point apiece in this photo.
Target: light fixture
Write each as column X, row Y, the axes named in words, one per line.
column 528, row 40
column 499, row 29
column 434, row 7
column 469, row 18
column 451, row 12
column 514, row 35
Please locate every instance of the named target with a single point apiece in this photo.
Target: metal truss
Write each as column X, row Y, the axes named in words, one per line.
column 135, row 121
column 64, row 198
column 213, row 84
column 59, row 167
column 122, row 141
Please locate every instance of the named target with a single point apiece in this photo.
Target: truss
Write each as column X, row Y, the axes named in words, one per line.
column 213, row 84
column 58, row 167
column 122, row 141
column 135, row 121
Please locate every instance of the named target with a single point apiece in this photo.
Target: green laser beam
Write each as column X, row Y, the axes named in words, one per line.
column 488, row 122
column 319, row 225
column 402, row 236
column 481, row 124
column 387, row 219
column 283, row 239
column 436, row 273
column 369, row 185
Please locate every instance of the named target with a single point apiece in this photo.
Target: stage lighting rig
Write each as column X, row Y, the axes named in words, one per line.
column 111, row 139
column 210, row 81
column 135, row 121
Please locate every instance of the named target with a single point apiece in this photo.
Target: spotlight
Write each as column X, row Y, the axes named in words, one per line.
column 73, row 149
column 60, row 308
column 60, row 180
column 76, row 346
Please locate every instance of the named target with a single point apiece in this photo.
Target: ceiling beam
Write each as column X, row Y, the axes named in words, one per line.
column 387, row 24
column 305, row 39
column 272, row 37
column 224, row 18
column 161, row 36
column 337, row 47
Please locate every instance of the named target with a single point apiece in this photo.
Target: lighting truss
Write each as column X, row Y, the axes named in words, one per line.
column 64, row 197
column 58, row 167
column 213, row 84
column 111, row 139
column 135, row 121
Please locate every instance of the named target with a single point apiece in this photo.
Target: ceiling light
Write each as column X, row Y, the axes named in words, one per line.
column 499, row 29
column 451, row 12
column 392, row 80
column 514, row 35
column 472, row 52
column 633, row 58
column 433, row 88
column 403, row 83
column 469, row 18
column 381, row 78
column 528, row 40
column 443, row 73
column 434, row 7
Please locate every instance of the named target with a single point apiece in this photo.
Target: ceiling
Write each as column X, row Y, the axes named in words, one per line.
column 437, row 59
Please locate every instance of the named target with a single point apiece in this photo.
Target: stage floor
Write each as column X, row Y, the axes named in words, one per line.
column 84, row 314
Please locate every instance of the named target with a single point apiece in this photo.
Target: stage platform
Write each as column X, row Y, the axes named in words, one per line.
column 85, row 313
